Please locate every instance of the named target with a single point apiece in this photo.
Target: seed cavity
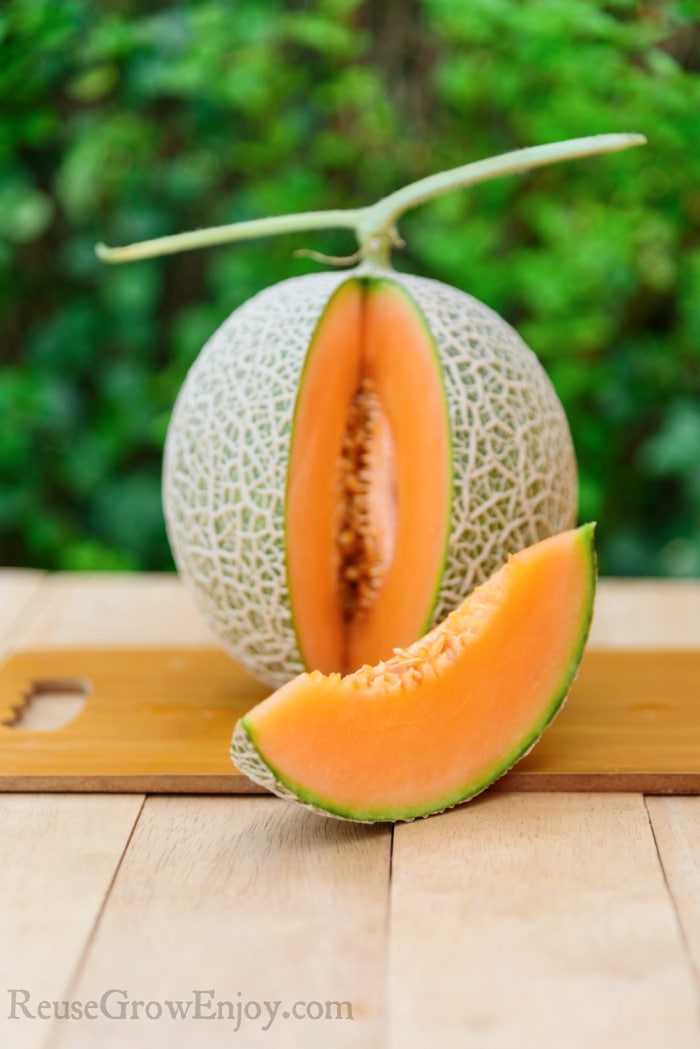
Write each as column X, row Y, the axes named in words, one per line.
column 360, row 563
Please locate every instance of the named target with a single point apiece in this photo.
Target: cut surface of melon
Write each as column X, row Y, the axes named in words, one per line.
column 444, row 718
column 369, row 479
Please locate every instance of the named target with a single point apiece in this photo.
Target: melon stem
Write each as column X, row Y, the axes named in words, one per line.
column 213, row 235
column 375, row 225
column 386, row 211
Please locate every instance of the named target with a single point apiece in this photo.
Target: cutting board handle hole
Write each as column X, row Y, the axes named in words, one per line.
column 48, row 705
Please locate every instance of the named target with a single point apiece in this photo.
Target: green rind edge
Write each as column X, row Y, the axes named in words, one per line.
column 586, row 534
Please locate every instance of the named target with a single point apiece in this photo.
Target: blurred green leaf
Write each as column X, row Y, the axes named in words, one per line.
column 25, row 212
column 675, row 448
column 93, row 84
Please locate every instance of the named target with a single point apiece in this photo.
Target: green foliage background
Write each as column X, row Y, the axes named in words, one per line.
column 125, row 120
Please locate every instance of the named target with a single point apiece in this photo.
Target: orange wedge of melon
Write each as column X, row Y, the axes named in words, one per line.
column 441, row 720
column 371, row 343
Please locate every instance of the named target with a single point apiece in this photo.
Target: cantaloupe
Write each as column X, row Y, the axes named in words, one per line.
column 441, row 720
column 468, row 459
column 353, row 452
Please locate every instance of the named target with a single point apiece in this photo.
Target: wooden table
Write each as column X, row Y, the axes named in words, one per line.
column 562, row 920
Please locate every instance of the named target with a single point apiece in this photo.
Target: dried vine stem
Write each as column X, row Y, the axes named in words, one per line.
column 375, row 225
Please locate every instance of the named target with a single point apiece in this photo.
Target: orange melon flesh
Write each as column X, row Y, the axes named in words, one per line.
column 371, row 331
column 441, row 720
column 330, row 378
column 400, row 360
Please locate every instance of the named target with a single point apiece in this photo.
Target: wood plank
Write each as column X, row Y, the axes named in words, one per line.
column 17, row 588
column 160, row 720
column 155, row 609
column 154, row 720
column 254, row 900
column 676, row 825
column 646, row 613
column 113, row 610
column 58, row 855
column 536, row 920
column 101, row 608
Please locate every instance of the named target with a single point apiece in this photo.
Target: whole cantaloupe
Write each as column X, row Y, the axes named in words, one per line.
column 498, row 435
column 227, row 452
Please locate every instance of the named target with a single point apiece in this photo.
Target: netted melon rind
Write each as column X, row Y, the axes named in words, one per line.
column 225, row 467
column 224, row 483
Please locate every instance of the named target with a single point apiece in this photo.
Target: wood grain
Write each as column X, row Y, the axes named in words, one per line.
column 160, row 720
column 542, row 920
column 646, row 613
column 155, row 720
column 113, row 610
column 676, row 825
column 124, row 609
column 518, row 920
column 17, row 588
column 58, row 855
column 252, row 899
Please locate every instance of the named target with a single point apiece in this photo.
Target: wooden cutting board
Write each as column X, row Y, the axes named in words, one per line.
column 160, row 720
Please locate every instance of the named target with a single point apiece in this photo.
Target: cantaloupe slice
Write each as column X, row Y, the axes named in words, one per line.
column 444, row 718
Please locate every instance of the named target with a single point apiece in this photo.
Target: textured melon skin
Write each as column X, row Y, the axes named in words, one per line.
column 227, row 450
